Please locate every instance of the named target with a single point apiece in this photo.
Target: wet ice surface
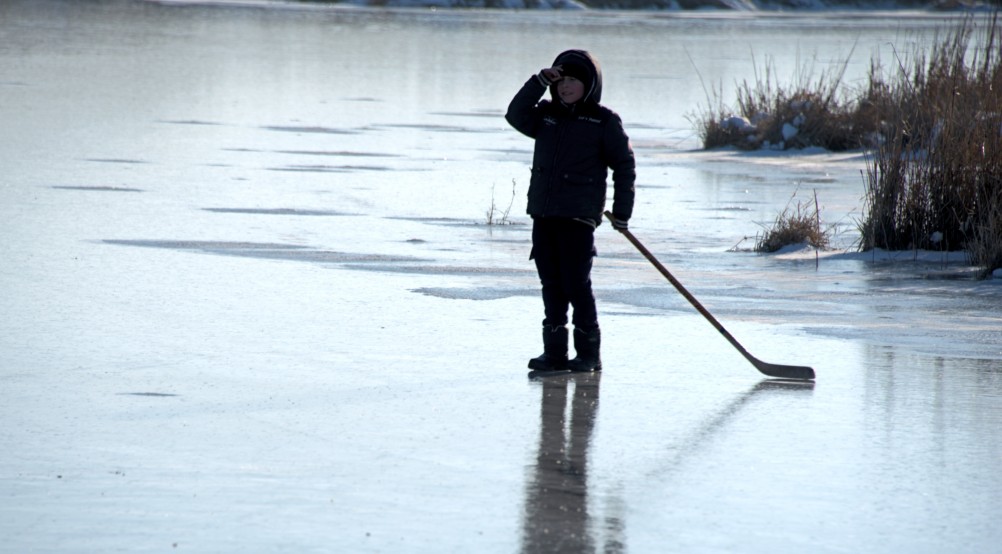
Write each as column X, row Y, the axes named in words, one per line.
column 251, row 303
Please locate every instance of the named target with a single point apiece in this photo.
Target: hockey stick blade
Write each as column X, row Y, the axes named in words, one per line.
column 772, row 370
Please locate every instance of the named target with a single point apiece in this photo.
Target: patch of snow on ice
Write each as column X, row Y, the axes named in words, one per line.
column 804, row 251
column 738, row 123
column 789, row 131
column 796, row 250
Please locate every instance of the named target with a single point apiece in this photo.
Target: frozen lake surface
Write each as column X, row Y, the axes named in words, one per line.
column 251, row 302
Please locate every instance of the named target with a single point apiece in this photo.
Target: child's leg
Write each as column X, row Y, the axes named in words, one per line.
column 547, row 250
column 578, row 252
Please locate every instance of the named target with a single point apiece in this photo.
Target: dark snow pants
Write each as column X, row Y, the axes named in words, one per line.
column 563, row 250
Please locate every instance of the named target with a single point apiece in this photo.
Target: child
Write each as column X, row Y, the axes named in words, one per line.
column 577, row 141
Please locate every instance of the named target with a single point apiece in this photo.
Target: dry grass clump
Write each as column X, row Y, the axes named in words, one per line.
column 935, row 182
column 811, row 112
column 497, row 216
column 797, row 224
column 985, row 247
column 934, row 130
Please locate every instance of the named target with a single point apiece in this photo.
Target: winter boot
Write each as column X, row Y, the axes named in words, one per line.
column 586, row 344
column 554, row 355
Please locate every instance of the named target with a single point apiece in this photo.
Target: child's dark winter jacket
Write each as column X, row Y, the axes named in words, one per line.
column 575, row 147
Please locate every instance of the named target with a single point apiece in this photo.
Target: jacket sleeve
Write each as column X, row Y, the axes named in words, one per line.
column 524, row 107
column 624, row 168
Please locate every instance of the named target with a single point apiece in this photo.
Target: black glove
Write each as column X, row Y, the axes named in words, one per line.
column 619, row 224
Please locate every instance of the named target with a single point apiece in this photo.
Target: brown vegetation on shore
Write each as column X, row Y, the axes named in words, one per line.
column 935, row 182
column 932, row 130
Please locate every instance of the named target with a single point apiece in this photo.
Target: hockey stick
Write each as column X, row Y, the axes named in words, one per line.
column 772, row 370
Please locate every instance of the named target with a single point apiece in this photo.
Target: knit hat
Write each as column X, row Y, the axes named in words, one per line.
column 578, row 71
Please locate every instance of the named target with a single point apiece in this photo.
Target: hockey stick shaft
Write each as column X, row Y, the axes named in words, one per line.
column 773, row 370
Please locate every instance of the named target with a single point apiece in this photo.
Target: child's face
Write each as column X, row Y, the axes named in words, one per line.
column 570, row 89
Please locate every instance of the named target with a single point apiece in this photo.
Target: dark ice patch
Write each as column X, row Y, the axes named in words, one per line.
column 188, row 122
column 308, row 129
column 274, row 211
column 329, row 168
column 518, row 151
column 153, row 394
column 657, row 298
column 264, row 250
column 116, row 161
column 98, row 189
column 321, row 256
column 480, row 113
column 454, row 270
column 439, row 128
column 337, row 153
column 821, row 180
column 209, row 245
column 446, row 221
column 310, row 169
column 472, row 293
column 645, row 125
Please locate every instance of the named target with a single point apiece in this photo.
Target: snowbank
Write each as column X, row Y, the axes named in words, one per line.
column 808, row 252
